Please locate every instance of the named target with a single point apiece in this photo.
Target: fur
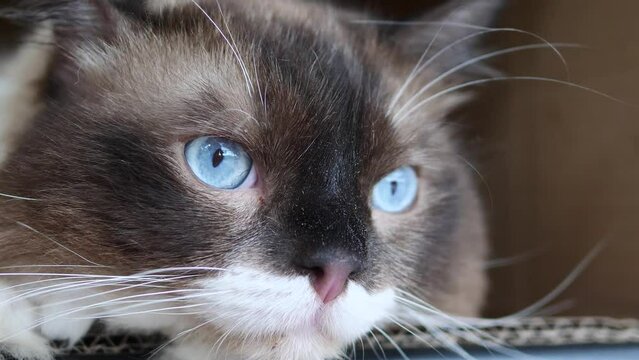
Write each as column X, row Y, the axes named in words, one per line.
column 95, row 183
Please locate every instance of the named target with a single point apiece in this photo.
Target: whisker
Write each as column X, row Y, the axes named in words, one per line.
column 50, row 318
column 228, row 30
column 158, row 311
column 484, row 30
column 371, row 345
column 392, row 342
column 48, row 266
column 57, row 243
column 379, row 344
column 416, row 70
column 476, row 60
column 15, row 197
column 180, row 335
column 564, row 284
column 58, row 288
column 508, row 261
column 414, row 333
column 259, row 88
column 185, row 268
column 237, row 56
column 221, row 340
column 472, row 333
column 480, row 33
column 128, row 287
column 509, row 78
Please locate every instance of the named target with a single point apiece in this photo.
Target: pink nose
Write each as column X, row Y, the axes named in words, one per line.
column 330, row 281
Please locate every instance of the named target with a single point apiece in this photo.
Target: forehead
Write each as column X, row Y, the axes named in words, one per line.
column 285, row 86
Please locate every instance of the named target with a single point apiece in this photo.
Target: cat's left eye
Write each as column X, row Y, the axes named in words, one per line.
column 220, row 163
column 396, row 192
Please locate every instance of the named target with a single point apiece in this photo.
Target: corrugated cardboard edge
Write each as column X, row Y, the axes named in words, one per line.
column 560, row 331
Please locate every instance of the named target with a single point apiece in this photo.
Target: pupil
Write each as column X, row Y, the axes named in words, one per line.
column 393, row 185
column 218, row 156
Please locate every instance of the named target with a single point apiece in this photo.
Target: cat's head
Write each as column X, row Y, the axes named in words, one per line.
column 288, row 144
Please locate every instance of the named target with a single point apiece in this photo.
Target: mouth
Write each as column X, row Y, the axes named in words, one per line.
column 250, row 302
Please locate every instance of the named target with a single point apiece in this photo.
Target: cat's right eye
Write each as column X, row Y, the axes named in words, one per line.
column 220, row 163
column 396, row 192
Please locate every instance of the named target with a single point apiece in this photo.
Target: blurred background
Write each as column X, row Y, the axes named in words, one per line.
column 560, row 164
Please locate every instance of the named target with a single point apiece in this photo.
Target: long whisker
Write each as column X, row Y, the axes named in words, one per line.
column 50, row 318
column 85, row 285
column 472, row 333
column 484, row 30
column 414, row 333
column 416, row 70
column 509, row 78
column 158, row 311
column 57, row 243
column 228, row 30
column 392, row 342
column 247, row 79
column 477, row 34
column 15, row 197
column 179, row 336
column 476, row 60
column 563, row 285
column 129, row 287
column 465, row 322
column 371, row 345
column 56, row 288
column 48, row 266
column 511, row 260
column 176, row 269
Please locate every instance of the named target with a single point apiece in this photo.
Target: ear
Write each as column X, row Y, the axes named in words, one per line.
column 74, row 24
column 454, row 22
column 43, row 62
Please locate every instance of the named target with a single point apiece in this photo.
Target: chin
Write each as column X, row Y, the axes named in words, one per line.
column 257, row 315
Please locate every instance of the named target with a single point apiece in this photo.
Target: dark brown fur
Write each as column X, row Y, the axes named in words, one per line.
column 104, row 158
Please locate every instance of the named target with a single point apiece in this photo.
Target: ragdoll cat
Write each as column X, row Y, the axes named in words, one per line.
column 254, row 179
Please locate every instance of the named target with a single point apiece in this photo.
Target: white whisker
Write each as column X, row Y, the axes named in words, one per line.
column 50, row 318
column 249, row 84
column 416, row 70
column 15, row 197
column 484, row 30
column 563, row 285
column 372, row 346
column 57, row 243
column 473, row 61
column 508, row 78
column 128, row 287
column 180, row 335
column 175, row 269
column 158, row 311
column 392, row 342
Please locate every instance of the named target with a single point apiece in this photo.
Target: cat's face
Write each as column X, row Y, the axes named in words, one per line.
column 258, row 140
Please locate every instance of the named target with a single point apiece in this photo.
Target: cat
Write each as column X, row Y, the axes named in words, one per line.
column 253, row 179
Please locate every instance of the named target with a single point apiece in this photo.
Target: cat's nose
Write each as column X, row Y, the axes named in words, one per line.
column 329, row 274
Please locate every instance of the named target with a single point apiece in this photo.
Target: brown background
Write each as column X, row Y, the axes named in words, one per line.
column 562, row 165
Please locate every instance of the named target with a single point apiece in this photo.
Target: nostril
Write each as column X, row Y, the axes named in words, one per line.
column 330, row 281
column 328, row 271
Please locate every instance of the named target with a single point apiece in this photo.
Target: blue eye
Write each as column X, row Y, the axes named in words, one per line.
column 220, row 163
column 397, row 191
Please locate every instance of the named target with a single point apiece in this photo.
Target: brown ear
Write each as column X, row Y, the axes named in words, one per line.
column 73, row 24
column 454, row 22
